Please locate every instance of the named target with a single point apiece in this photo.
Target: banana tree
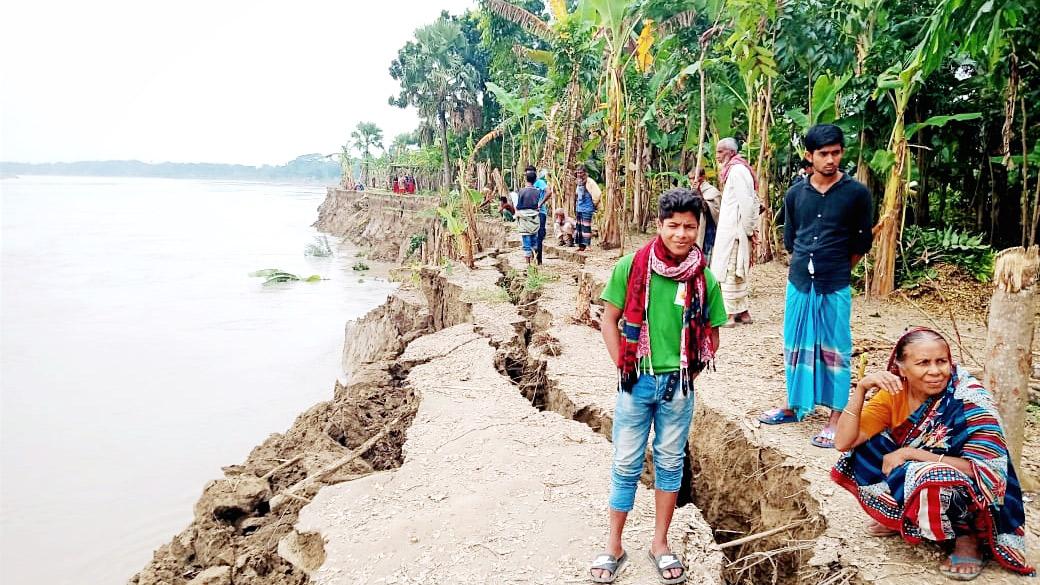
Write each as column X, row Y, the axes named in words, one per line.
column 615, row 23
column 976, row 26
column 569, row 40
column 751, row 44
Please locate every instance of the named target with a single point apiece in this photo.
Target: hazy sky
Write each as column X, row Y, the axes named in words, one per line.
column 218, row 81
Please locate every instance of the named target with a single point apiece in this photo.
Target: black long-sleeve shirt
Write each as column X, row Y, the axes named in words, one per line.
column 826, row 230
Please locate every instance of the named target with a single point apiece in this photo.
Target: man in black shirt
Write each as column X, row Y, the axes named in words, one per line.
column 827, row 230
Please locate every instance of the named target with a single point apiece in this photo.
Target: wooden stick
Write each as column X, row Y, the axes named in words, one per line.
column 282, row 466
column 290, row 492
column 761, row 535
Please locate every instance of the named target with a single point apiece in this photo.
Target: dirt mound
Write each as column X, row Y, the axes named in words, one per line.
column 952, row 291
column 245, row 520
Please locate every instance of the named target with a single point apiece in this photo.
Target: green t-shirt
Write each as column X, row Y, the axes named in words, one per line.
column 665, row 311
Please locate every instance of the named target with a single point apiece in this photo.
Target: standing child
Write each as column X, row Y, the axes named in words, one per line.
column 669, row 306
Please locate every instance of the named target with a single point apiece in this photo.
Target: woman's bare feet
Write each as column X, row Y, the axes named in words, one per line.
column 876, row 530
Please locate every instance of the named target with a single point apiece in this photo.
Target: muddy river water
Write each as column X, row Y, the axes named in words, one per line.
column 137, row 356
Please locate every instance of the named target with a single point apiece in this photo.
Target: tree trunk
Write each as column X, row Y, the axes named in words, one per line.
column 1009, row 343
column 571, row 139
column 921, row 210
column 610, row 235
column 764, row 166
column 638, row 209
column 469, row 237
column 703, row 127
column 890, row 222
column 443, row 122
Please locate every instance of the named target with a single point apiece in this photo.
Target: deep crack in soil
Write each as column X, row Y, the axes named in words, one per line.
column 742, row 490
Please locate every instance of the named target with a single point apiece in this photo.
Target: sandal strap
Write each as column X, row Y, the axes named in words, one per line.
column 959, row 560
column 669, row 561
column 606, row 563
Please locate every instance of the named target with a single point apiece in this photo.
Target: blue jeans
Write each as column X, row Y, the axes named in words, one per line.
column 634, row 413
column 530, row 242
column 540, row 235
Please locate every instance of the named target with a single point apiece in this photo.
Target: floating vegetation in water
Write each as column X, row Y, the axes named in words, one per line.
column 360, row 266
column 319, row 247
column 273, row 275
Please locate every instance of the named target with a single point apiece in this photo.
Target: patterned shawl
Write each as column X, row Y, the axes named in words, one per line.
column 962, row 422
column 738, row 160
column 695, row 346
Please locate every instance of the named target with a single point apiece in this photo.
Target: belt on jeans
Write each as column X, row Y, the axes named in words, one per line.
column 628, row 381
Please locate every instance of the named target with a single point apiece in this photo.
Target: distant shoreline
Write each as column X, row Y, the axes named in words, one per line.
column 286, row 181
column 309, row 168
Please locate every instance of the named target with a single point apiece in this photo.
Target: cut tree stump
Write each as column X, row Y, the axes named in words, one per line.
column 1009, row 344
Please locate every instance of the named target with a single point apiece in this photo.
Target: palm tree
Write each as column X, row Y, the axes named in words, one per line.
column 401, row 143
column 365, row 137
column 346, row 162
column 436, row 78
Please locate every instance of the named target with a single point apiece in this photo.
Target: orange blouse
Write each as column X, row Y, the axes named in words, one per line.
column 884, row 411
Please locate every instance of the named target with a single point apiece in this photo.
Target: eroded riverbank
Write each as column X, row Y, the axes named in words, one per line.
column 480, row 410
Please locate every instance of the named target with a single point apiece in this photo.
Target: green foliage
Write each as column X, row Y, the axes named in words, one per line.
column 1033, row 414
column 359, row 266
column 538, row 278
column 822, row 106
column 277, row 275
column 923, row 249
column 319, row 247
column 415, row 242
column 939, row 122
column 939, row 67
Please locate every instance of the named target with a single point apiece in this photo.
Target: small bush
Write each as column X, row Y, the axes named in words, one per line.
column 536, row 279
column 416, row 242
column 319, row 247
column 360, row 266
column 923, row 249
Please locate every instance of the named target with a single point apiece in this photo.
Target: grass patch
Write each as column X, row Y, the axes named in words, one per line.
column 538, row 278
column 491, row 295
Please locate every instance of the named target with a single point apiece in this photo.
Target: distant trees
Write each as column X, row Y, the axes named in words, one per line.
column 309, row 167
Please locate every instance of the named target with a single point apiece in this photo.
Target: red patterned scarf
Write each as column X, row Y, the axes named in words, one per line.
column 737, row 160
column 695, row 347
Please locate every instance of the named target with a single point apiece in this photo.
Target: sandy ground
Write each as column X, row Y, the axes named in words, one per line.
column 506, row 467
column 492, row 490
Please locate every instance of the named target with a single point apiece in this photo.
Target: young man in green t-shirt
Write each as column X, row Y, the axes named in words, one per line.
column 660, row 325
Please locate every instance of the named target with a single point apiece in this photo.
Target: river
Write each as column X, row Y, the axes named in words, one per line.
column 137, row 356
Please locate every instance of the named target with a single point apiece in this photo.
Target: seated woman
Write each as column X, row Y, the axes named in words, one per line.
column 505, row 208
column 927, row 459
